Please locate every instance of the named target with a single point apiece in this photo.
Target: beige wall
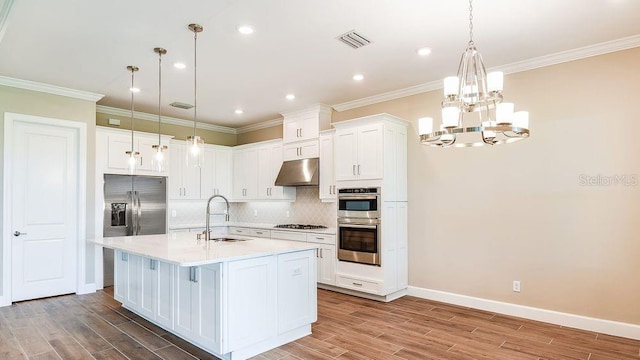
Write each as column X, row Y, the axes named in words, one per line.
column 274, row 132
column 180, row 132
column 483, row 217
column 60, row 107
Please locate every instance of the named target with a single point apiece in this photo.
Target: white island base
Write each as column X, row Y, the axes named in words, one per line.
column 234, row 300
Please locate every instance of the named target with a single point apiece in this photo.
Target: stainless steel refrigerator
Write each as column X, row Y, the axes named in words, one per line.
column 133, row 205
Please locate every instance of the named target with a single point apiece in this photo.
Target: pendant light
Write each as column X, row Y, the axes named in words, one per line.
column 132, row 155
column 158, row 160
column 475, row 92
column 195, row 143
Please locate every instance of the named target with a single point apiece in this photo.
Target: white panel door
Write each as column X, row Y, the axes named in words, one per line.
column 346, row 152
column 370, row 163
column 44, row 216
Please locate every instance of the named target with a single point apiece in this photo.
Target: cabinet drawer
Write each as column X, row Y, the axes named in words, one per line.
column 261, row 233
column 358, row 284
column 240, row 231
column 288, row 235
column 321, row 238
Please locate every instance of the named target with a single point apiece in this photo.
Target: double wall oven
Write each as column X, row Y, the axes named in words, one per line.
column 359, row 229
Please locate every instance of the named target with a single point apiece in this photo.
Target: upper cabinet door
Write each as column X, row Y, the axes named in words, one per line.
column 370, row 155
column 118, row 146
column 346, row 147
column 327, row 188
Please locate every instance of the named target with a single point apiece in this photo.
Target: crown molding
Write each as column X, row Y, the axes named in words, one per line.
column 165, row 119
column 259, row 126
column 316, row 108
column 538, row 62
column 50, row 89
column 5, row 11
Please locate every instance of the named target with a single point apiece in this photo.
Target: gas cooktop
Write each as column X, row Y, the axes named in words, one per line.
column 300, row 226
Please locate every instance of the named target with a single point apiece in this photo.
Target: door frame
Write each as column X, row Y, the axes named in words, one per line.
column 81, row 224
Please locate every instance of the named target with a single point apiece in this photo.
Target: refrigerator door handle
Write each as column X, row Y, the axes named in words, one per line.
column 131, row 220
column 138, row 214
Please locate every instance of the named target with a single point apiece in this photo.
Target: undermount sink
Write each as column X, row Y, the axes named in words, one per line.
column 227, row 239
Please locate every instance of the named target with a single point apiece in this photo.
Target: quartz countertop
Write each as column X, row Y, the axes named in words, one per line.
column 328, row 231
column 185, row 250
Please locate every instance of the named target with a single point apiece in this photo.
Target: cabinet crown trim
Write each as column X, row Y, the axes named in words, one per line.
column 318, row 108
column 369, row 119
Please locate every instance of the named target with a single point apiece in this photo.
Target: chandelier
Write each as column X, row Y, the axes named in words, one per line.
column 473, row 113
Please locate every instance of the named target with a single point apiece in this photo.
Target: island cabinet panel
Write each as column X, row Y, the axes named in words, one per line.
column 296, row 290
column 251, row 301
column 129, row 279
column 149, row 288
column 120, row 275
column 164, row 293
column 198, row 305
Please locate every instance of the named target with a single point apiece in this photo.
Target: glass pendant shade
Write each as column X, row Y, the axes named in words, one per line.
column 195, row 151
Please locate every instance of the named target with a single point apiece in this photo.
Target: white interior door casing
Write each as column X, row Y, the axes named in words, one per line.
column 43, row 219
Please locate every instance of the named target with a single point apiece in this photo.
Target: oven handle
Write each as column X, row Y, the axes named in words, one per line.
column 357, row 197
column 359, row 226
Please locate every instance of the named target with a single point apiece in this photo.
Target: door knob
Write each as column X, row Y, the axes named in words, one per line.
column 18, row 233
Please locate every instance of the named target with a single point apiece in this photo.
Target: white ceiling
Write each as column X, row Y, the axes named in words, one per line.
column 86, row 45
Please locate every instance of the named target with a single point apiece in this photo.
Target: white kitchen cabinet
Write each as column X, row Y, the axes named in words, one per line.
column 269, row 164
column 327, row 187
column 301, row 150
column 198, row 304
column 252, row 294
column 127, row 279
column 112, row 145
column 326, row 257
column 149, row 288
column 245, row 173
column 215, row 174
column 360, row 152
column 184, row 181
column 305, row 124
column 296, row 271
column 164, row 294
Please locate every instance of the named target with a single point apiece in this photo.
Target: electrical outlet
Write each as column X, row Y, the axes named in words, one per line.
column 516, row 286
column 255, row 212
column 174, row 213
column 297, row 271
column 287, row 213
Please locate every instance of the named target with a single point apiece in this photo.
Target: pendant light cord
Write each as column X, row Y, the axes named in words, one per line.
column 195, row 81
column 132, row 94
column 470, row 22
column 159, row 98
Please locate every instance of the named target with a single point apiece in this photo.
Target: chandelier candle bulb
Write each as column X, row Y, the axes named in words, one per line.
column 521, row 119
column 425, row 125
column 504, row 113
column 451, row 84
column 488, row 134
column 450, row 116
column 495, row 81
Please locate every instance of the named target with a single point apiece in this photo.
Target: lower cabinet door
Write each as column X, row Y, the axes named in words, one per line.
column 133, row 292
column 120, row 274
column 164, row 299
column 187, row 306
column 251, row 296
column 327, row 264
column 209, row 283
column 149, row 288
column 296, row 290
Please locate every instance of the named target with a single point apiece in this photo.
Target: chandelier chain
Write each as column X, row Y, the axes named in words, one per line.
column 470, row 22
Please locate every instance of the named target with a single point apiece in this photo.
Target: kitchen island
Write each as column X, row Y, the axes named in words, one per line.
column 234, row 298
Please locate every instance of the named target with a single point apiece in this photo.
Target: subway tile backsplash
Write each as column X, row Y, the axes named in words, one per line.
column 307, row 209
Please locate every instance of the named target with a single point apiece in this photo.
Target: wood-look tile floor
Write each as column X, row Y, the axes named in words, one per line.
column 95, row 326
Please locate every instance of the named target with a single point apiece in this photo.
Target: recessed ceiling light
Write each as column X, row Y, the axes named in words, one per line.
column 134, row 89
column 245, row 29
column 424, row 51
column 179, row 65
column 358, row 77
column 239, row 111
column 290, row 96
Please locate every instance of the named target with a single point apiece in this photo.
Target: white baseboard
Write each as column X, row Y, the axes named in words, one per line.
column 554, row 317
column 87, row 289
column 4, row 301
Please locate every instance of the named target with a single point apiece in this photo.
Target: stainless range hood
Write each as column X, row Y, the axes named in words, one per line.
column 303, row 172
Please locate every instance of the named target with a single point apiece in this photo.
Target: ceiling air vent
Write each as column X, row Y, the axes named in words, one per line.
column 181, row 105
column 354, row 39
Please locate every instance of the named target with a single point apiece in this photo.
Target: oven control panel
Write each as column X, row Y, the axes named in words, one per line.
column 375, row 190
